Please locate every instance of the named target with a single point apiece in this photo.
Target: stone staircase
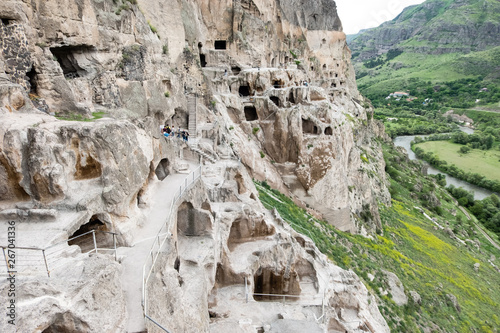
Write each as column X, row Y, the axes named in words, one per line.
column 203, row 154
column 192, row 106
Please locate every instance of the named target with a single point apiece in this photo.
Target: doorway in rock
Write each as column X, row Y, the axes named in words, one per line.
column 220, row 44
column 203, row 61
column 309, row 127
column 268, row 282
column 275, row 100
column 244, row 91
column 67, row 57
column 84, row 237
column 162, row 169
column 250, row 113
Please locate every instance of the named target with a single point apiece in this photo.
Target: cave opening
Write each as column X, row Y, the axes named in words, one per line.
column 220, row 44
column 32, row 80
column 291, row 98
column 244, row 91
column 328, row 131
column 161, row 170
column 6, row 21
column 309, row 127
column 244, row 230
column 177, row 264
column 67, row 57
column 250, row 113
column 267, row 282
column 277, row 84
column 203, row 61
column 236, row 70
column 84, row 237
column 66, row 323
column 275, row 100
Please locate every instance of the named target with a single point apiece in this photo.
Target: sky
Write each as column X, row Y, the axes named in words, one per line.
column 362, row 14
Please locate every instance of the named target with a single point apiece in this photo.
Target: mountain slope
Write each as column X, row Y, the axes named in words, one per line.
column 428, row 45
column 434, row 27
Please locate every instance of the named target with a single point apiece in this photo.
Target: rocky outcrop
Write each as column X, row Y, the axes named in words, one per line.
column 87, row 297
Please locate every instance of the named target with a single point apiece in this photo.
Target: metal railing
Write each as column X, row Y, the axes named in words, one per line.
column 33, row 261
column 160, row 240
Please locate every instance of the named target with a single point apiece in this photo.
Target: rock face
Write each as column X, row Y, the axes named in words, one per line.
column 263, row 85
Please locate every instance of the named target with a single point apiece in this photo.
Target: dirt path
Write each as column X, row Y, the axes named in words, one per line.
column 135, row 256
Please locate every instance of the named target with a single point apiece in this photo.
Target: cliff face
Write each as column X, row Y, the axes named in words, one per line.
column 272, row 87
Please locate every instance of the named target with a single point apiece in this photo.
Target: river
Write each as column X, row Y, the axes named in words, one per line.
column 479, row 192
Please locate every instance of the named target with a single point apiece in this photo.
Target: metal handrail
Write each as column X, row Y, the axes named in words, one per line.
column 160, row 240
column 45, row 255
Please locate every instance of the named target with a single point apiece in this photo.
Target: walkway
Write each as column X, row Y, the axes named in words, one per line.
column 135, row 256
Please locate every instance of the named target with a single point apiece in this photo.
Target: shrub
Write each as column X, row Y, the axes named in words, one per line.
column 167, row 94
column 255, row 130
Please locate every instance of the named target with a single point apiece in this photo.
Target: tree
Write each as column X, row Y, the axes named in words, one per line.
column 464, row 150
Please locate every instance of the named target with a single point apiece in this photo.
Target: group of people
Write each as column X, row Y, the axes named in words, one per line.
column 170, row 132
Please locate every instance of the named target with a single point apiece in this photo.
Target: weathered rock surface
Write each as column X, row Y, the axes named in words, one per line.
column 83, row 296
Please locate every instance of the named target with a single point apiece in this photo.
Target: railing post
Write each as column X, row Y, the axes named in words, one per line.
column 6, row 260
column 284, row 299
column 114, row 244
column 95, row 243
column 46, row 265
column 246, row 290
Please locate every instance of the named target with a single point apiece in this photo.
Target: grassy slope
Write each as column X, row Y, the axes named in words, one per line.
column 434, row 68
column 425, row 259
column 483, row 162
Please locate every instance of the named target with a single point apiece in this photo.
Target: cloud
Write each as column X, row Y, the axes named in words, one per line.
column 362, row 14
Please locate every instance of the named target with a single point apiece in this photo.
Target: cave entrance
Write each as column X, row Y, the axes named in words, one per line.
column 66, row 323
column 84, row 237
column 291, row 99
column 203, row 61
column 220, row 44
column 236, row 70
column 161, row 170
column 243, row 230
column 192, row 222
column 32, row 80
column 275, row 100
column 267, row 282
column 67, row 58
column 250, row 113
column 309, row 127
column 244, row 91
column 328, row 131
column 277, row 84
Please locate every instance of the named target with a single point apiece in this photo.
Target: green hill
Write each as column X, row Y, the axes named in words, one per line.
column 437, row 50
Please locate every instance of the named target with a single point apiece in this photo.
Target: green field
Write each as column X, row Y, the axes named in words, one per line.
column 483, row 162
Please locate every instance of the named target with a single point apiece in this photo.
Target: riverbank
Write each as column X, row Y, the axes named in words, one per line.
column 477, row 167
column 479, row 192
